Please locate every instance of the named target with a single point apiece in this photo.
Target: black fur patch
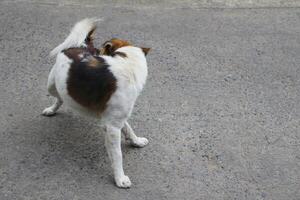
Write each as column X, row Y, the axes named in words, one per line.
column 90, row 84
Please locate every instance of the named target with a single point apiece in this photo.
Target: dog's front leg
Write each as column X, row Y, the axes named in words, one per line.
column 113, row 147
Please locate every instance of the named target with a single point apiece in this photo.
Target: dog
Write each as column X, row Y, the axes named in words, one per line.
column 102, row 83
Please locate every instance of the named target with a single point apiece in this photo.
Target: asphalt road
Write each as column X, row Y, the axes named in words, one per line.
column 220, row 108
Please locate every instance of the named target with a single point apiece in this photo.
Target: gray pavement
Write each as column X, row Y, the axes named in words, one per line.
column 221, row 106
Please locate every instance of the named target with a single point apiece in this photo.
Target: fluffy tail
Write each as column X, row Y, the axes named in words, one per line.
column 81, row 32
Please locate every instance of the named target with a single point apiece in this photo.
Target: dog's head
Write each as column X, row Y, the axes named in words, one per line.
column 109, row 47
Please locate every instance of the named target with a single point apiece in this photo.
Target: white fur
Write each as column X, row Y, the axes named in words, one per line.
column 77, row 36
column 131, row 74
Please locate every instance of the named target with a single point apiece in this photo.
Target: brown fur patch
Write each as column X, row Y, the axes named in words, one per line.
column 74, row 53
column 77, row 54
column 145, row 50
column 93, row 62
column 90, row 83
column 91, row 35
column 109, row 47
column 89, row 42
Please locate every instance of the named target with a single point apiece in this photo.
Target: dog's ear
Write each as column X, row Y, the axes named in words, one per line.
column 145, row 50
column 107, row 48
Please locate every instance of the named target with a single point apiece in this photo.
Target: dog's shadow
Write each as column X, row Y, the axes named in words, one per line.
column 67, row 144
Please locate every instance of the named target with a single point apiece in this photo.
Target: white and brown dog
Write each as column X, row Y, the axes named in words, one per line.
column 100, row 83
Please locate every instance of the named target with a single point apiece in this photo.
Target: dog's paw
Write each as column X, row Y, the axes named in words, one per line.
column 140, row 142
column 48, row 111
column 123, row 182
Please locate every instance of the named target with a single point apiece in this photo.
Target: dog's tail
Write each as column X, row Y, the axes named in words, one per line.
column 82, row 32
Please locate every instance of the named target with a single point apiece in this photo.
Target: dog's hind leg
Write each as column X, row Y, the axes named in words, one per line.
column 134, row 140
column 52, row 91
